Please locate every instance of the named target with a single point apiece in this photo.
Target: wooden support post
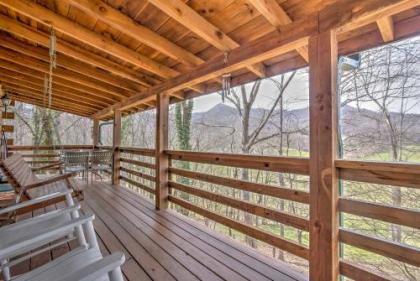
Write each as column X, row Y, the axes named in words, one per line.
column 162, row 160
column 324, row 258
column 95, row 133
column 116, row 141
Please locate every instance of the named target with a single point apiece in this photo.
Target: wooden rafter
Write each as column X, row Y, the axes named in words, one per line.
column 186, row 16
column 39, row 83
column 91, row 38
column 128, row 26
column 295, row 35
column 70, row 64
column 386, row 27
column 68, row 75
column 277, row 16
column 24, row 31
column 58, row 80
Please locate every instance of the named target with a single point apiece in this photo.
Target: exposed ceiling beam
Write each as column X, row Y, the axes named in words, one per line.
column 386, row 28
column 39, row 83
column 85, row 35
column 277, row 16
column 38, row 90
column 24, row 31
column 17, row 96
column 26, row 92
column 26, row 61
column 349, row 13
column 59, row 81
column 186, row 16
column 128, row 26
column 69, row 63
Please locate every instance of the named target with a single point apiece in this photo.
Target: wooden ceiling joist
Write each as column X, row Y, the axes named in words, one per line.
column 28, row 93
column 38, row 84
column 69, row 75
column 19, row 96
column 70, row 64
column 79, row 54
column 40, row 75
column 386, row 28
column 278, row 17
column 95, row 40
column 350, row 13
column 85, row 35
column 38, row 92
column 188, row 17
column 128, row 26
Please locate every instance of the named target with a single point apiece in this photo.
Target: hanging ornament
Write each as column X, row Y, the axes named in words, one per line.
column 53, row 63
column 226, row 78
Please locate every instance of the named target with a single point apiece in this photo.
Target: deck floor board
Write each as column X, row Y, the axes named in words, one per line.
column 164, row 245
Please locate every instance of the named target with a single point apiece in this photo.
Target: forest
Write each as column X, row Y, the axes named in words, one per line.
column 379, row 119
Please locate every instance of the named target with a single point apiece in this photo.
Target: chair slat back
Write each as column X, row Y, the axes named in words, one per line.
column 19, row 170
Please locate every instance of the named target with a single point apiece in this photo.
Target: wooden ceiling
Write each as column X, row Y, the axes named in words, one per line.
column 121, row 53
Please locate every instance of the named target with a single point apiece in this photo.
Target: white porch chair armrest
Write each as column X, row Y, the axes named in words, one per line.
column 34, row 201
column 109, row 265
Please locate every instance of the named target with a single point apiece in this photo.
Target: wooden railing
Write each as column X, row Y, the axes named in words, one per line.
column 137, row 169
column 389, row 174
column 260, row 163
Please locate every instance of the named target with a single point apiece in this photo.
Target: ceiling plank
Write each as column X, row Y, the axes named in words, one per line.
column 39, row 92
column 28, row 93
column 386, row 27
column 38, row 84
column 56, row 87
column 69, row 63
column 278, row 17
column 93, row 39
column 186, row 16
column 21, row 30
column 294, row 35
column 128, row 26
column 17, row 96
column 26, row 61
column 58, row 80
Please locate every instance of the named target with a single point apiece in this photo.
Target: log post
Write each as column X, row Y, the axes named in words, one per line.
column 162, row 159
column 95, row 133
column 116, row 141
column 324, row 259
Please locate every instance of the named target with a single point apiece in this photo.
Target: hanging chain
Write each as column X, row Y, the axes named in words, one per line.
column 53, row 63
column 226, row 79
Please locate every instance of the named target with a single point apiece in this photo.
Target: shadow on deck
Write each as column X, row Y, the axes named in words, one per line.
column 163, row 245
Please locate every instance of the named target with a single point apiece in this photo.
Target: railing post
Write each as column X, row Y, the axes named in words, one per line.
column 116, row 142
column 162, row 160
column 95, row 133
column 324, row 259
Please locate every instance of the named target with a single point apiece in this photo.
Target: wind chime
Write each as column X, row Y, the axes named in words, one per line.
column 226, row 78
column 48, row 79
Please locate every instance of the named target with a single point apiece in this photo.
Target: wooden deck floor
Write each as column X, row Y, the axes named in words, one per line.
column 163, row 245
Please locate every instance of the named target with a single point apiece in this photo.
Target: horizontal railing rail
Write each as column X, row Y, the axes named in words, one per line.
column 384, row 175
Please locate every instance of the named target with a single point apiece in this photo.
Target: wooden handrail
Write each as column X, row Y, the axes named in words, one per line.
column 397, row 174
column 356, row 273
column 397, row 251
column 268, row 213
column 266, row 163
column 385, row 213
column 139, row 151
column 138, row 174
column 278, row 192
column 43, row 147
column 138, row 163
column 137, row 184
column 279, row 242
